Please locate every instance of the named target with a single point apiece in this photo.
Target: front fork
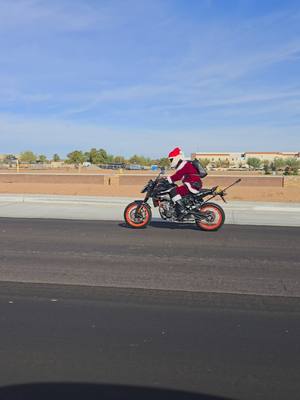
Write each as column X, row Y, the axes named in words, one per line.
column 141, row 204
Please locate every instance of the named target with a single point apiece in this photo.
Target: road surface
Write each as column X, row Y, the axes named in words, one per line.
column 164, row 308
column 236, row 259
column 234, row 346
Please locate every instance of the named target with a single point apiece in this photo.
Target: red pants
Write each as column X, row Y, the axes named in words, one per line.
column 182, row 190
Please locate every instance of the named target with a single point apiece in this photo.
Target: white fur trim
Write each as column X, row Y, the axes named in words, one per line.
column 177, row 197
column 191, row 189
column 169, row 179
column 176, row 160
column 181, row 165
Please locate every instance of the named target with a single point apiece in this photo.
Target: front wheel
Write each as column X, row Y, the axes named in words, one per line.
column 215, row 217
column 137, row 215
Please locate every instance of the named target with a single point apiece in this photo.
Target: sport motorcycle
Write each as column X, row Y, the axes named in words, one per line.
column 198, row 208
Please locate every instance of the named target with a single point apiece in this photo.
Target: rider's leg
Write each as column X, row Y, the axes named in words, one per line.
column 177, row 194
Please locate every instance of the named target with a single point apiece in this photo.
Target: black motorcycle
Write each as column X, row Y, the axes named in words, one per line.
column 207, row 215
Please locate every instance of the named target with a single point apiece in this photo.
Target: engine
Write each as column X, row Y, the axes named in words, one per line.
column 166, row 209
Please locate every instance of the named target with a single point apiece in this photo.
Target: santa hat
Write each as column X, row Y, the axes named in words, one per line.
column 176, row 152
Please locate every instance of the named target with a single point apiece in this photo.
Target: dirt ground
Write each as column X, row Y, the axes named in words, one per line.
column 287, row 194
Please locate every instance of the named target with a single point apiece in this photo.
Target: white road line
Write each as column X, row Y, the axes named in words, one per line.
column 284, row 209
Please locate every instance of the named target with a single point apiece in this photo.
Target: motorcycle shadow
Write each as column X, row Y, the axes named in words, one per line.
column 166, row 225
column 94, row 391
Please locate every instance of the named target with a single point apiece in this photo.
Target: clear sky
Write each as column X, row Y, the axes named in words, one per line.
column 144, row 76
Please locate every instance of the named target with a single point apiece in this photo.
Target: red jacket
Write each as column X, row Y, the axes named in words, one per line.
column 188, row 174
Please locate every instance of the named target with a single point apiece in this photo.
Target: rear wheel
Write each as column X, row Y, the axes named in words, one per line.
column 137, row 215
column 215, row 217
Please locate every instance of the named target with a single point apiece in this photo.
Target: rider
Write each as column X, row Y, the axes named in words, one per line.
column 188, row 174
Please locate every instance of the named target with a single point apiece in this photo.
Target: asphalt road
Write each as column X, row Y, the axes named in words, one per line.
column 240, row 347
column 168, row 307
column 236, row 259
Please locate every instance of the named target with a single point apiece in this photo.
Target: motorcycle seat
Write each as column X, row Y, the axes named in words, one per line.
column 204, row 192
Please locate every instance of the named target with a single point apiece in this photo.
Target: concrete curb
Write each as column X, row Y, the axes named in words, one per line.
column 43, row 198
column 111, row 208
column 63, row 199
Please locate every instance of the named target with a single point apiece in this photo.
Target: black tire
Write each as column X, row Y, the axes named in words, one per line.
column 137, row 223
column 212, row 226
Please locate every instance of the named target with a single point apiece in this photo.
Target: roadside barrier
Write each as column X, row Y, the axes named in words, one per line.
column 135, row 180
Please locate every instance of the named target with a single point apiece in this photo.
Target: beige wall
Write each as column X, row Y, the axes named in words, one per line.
column 233, row 158
column 270, row 156
column 50, row 179
column 125, row 180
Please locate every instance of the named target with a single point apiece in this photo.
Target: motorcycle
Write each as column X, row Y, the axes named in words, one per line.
column 207, row 215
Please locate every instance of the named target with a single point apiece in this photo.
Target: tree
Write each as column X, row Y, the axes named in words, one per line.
column 222, row 163
column 141, row 160
column 119, row 160
column 92, row 156
column 42, row 159
column 103, row 157
column 278, row 164
column 75, row 157
column 292, row 166
column 164, row 162
column 109, row 158
column 266, row 166
column 86, row 156
column 135, row 159
column 204, row 162
column 254, row 163
column 28, row 157
column 100, row 156
column 225, row 163
column 55, row 157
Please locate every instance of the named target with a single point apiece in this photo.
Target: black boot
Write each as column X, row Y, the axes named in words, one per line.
column 180, row 209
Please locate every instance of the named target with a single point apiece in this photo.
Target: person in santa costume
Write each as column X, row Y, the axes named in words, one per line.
column 188, row 174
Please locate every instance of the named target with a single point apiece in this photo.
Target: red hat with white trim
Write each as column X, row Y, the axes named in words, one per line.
column 175, row 156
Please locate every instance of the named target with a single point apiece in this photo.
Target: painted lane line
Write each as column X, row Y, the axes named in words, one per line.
column 271, row 208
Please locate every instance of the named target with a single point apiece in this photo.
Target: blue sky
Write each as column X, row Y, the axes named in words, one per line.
column 144, row 76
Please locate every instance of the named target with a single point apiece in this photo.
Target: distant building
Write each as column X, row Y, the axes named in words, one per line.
column 270, row 156
column 57, row 164
column 233, row 159
column 236, row 160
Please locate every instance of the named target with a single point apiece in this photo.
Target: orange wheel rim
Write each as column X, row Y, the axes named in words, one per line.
column 129, row 220
column 215, row 222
